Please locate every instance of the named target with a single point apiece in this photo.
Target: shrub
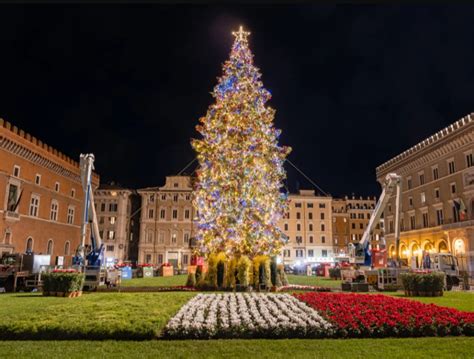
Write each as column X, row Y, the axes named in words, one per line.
column 231, row 274
column 211, row 277
column 282, row 275
column 261, row 271
column 273, row 271
column 62, row 282
column 423, row 283
column 243, row 267
column 220, row 273
column 191, row 281
column 335, row 273
column 198, row 273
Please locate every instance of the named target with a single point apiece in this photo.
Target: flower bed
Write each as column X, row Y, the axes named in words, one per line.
column 363, row 315
column 240, row 315
column 306, row 288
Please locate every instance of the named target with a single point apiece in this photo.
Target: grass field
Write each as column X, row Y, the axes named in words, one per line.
column 95, row 315
column 181, row 280
column 290, row 348
column 459, row 300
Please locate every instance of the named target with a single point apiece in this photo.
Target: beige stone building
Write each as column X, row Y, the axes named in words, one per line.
column 41, row 197
column 437, row 211
column 166, row 223
column 117, row 211
column 308, row 225
column 351, row 216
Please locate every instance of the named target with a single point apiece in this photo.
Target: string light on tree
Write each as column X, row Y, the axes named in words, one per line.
column 240, row 174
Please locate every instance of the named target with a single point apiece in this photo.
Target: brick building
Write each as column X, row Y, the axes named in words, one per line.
column 41, row 196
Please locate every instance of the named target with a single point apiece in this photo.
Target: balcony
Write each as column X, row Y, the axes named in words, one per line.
column 451, row 224
column 11, row 215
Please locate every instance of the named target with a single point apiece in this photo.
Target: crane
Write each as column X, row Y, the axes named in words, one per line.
column 359, row 252
column 95, row 255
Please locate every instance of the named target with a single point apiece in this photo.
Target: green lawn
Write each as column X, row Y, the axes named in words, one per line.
column 156, row 281
column 95, row 315
column 459, row 300
column 313, row 280
column 181, row 280
column 290, row 348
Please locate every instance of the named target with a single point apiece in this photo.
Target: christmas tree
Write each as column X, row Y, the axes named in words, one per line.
column 240, row 174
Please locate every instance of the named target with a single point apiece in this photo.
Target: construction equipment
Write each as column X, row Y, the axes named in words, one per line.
column 22, row 271
column 359, row 253
column 92, row 261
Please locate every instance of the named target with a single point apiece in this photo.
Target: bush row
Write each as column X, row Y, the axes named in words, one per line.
column 238, row 273
column 423, row 284
column 62, row 282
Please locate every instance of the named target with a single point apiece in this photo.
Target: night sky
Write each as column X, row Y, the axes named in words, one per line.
column 353, row 86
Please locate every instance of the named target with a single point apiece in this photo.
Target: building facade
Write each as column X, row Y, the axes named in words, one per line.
column 41, row 196
column 351, row 215
column 308, row 226
column 166, row 223
column 437, row 209
column 118, row 215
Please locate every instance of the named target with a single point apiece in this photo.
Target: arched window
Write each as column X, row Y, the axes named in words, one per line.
column 29, row 245
column 442, row 247
column 66, row 248
column 459, row 247
column 403, row 251
column 428, row 247
column 391, row 251
column 49, row 248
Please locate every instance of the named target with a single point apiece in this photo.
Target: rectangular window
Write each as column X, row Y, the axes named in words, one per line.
column 453, row 187
column 322, row 205
column 188, row 197
column 185, row 259
column 422, row 179
column 310, row 205
column 110, row 248
column 161, row 238
column 186, row 238
column 298, row 215
column 469, row 160
column 310, row 227
column 322, row 215
column 322, row 227
column 175, row 213
column 423, row 197
column 73, row 193
column 163, row 197
column 70, row 215
column 310, row 253
column 286, row 226
column 425, row 220
column 353, row 226
column 323, row 239
column 186, row 214
column 412, row 222
column 53, row 216
column 390, row 226
column 324, row 253
column 435, row 173
column 299, row 253
column 162, row 214
column 409, row 184
column 175, row 198
column 111, row 235
column 410, row 201
column 113, row 207
column 297, row 205
column 456, row 217
column 436, row 191
column 451, row 168
column 56, row 186
column 298, row 227
column 310, row 239
column 310, row 215
column 148, row 258
column 160, row 258
column 101, row 220
column 151, row 198
column 151, row 213
column 38, row 179
column 439, row 217
column 299, row 239
column 16, row 171
column 34, row 206
column 102, row 207
column 112, row 220
column 173, row 238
